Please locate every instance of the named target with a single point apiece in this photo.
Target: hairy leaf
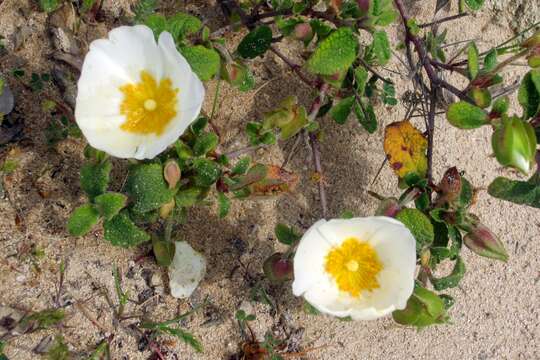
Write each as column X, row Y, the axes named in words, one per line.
column 381, row 47
column 451, row 280
column 529, row 93
column 203, row 61
column 95, row 178
column 224, row 204
column 147, row 188
column 519, row 192
column 82, row 220
column 207, row 172
column 110, row 204
column 419, row 225
column 335, row 53
column 474, row 4
column 466, row 116
column 256, row 43
column 286, row 234
column 341, row 111
column 121, row 231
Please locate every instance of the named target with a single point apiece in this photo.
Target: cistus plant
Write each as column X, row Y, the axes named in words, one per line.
column 140, row 97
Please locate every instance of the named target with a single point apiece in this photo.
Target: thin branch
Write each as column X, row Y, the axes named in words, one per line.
column 440, row 21
column 430, row 131
column 315, row 148
column 295, row 67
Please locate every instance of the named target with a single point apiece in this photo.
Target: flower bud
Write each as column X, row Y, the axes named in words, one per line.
column 363, row 5
column 171, row 173
column 481, row 97
column 534, row 57
column 303, row 32
column 278, row 268
column 483, row 242
column 388, row 207
column 514, row 144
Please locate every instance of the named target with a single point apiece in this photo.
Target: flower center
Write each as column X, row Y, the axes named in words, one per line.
column 354, row 266
column 148, row 106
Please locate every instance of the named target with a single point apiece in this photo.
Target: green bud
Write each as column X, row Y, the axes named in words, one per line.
column 388, row 207
column 483, row 242
column 514, row 144
column 278, row 268
column 424, row 308
column 481, row 97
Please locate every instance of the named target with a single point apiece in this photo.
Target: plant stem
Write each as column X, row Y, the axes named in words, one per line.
column 440, row 21
column 315, row 147
column 295, row 67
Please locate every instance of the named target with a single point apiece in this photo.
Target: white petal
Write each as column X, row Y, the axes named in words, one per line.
column 339, row 230
column 186, row 271
column 309, row 259
column 327, row 298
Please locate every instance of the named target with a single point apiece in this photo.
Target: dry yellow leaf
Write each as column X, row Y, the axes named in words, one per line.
column 405, row 148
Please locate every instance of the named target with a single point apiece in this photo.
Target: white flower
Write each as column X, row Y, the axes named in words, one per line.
column 362, row 268
column 135, row 96
column 186, row 270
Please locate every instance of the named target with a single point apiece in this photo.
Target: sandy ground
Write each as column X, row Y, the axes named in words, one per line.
column 496, row 315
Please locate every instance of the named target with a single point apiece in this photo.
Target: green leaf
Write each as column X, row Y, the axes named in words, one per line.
column 224, row 204
column 183, row 335
column 424, row 308
column 286, row 235
column 181, row 25
column 204, row 62
column 49, row 5
column 529, row 93
column 519, row 192
column 198, row 126
column 474, row 4
column 95, row 178
column 163, row 251
column 121, row 231
column 82, row 220
column 143, row 9
column 451, row 280
column 335, row 53
column 341, row 111
column 490, row 61
column 466, row 116
column 205, row 143
column 361, row 77
column 241, row 166
column 256, row 43
column 366, row 116
column 188, row 197
column 87, row 5
column 472, row 60
column 44, row 319
column 110, row 204
column 310, row 309
column 147, row 188
column 381, row 47
column 207, row 172
column 419, row 225
column 59, row 350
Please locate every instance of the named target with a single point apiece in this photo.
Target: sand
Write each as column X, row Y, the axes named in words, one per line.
column 495, row 316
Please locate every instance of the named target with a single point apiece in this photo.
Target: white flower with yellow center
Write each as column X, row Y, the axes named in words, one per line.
column 363, row 267
column 135, row 96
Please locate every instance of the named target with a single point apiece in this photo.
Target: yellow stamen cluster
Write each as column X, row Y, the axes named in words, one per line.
column 147, row 105
column 354, row 266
